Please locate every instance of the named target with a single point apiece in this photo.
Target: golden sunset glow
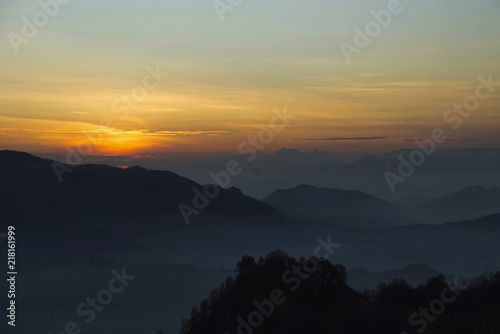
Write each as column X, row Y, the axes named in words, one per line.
column 224, row 79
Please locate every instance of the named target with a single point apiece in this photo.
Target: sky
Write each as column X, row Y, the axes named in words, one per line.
column 225, row 77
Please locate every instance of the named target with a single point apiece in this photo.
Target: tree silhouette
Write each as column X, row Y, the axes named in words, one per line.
column 324, row 303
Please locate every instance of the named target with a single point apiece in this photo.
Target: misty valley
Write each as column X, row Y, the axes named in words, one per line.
column 325, row 251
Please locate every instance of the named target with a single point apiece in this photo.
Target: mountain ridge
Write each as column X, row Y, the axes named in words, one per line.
column 92, row 190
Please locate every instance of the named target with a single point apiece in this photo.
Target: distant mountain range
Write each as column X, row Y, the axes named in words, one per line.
column 312, row 202
column 309, row 201
column 472, row 197
column 93, row 192
column 462, row 160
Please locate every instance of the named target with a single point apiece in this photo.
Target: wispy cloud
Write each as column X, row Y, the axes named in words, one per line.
column 414, row 140
column 113, row 131
column 343, row 138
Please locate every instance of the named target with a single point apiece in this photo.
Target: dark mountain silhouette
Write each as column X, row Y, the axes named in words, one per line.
column 304, row 200
column 133, row 198
column 316, row 203
column 288, row 153
column 485, row 223
column 14, row 160
column 236, row 191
